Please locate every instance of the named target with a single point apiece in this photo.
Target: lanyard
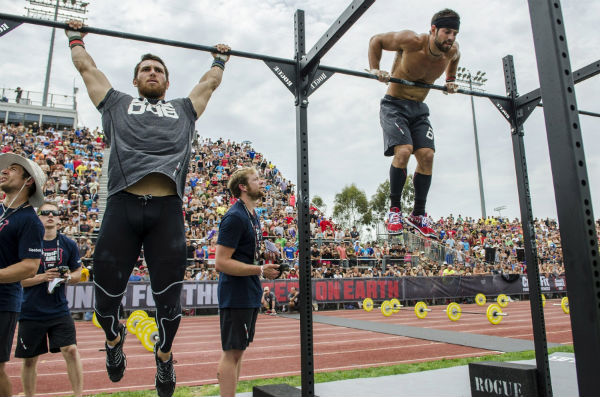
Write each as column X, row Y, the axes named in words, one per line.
column 257, row 233
column 6, row 214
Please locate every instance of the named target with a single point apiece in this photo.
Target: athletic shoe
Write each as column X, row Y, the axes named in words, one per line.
column 165, row 376
column 421, row 223
column 116, row 362
column 394, row 221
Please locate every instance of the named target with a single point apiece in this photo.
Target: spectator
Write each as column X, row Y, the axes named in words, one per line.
column 354, row 234
column 268, row 301
column 293, row 299
column 45, row 315
column 19, row 92
column 293, row 274
column 135, row 275
column 449, row 271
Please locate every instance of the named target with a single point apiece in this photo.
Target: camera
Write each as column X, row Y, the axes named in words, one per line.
column 283, row 268
column 62, row 271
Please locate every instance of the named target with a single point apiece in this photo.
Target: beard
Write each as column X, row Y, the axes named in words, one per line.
column 152, row 92
column 441, row 45
column 256, row 194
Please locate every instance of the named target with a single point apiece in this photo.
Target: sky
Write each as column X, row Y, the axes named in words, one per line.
column 345, row 138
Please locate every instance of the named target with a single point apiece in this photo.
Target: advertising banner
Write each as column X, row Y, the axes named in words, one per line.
column 203, row 294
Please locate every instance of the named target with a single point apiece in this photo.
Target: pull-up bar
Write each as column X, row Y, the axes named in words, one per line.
column 242, row 54
column 139, row 37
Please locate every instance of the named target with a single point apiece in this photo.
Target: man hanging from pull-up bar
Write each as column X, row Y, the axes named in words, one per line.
column 150, row 150
column 404, row 117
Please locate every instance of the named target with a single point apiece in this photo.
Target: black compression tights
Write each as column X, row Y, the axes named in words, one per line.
column 130, row 222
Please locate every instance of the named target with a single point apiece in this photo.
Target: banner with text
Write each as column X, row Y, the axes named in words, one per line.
column 203, row 294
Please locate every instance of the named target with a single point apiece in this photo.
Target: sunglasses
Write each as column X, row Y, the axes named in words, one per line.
column 48, row 212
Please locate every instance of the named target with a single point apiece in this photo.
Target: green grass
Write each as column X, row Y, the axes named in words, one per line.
column 246, row 386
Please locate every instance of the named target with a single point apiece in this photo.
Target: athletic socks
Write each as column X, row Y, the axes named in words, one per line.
column 421, row 183
column 397, row 180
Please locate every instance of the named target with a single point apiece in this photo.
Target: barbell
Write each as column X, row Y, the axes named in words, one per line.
column 502, row 300
column 493, row 313
column 564, row 304
column 389, row 307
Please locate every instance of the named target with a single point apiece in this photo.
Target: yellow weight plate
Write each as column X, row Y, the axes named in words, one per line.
column 368, row 304
column 494, row 314
column 140, row 313
column 421, row 310
column 480, row 299
column 132, row 321
column 150, row 337
column 543, row 300
column 395, row 305
column 453, row 311
column 95, row 321
column 502, row 300
column 147, row 325
column 564, row 303
column 386, row 309
column 139, row 327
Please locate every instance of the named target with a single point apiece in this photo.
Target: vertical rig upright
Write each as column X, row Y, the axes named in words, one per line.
column 571, row 188
column 303, row 202
column 531, row 257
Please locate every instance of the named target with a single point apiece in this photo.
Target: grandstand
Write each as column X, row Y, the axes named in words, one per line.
column 76, row 162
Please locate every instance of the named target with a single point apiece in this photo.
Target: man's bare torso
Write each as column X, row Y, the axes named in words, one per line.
column 155, row 184
column 420, row 66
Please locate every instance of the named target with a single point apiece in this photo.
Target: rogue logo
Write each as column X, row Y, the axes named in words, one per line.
column 286, row 80
column 317, row 82
column 498, row 387
column 504, row 112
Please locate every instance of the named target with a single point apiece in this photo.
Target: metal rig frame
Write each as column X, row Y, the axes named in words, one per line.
column 303, row 75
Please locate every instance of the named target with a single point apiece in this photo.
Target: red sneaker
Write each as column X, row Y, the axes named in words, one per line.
column 421, row 223
column 394, row 221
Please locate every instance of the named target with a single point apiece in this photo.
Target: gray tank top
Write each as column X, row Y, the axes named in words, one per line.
column 146, row 138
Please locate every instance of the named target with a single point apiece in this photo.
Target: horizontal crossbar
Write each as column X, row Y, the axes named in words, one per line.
column 410, row 83
column 243, row 54
column 584, row 112
column 139, row 37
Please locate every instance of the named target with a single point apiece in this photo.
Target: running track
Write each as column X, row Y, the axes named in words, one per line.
column 276, row 348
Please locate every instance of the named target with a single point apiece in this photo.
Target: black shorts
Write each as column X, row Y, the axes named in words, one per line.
column 237, row 327
column 8, row 321
column 33, row 336
column 405, row 122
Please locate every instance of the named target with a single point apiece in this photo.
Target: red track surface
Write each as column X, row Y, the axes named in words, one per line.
column 276, row 348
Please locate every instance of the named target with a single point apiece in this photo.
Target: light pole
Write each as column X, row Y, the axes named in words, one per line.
column 464, row 76
column 64, row 12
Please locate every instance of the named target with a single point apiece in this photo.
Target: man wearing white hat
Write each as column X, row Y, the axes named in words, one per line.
column 21, row 234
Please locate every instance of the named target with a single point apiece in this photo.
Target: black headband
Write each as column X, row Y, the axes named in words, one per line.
column 447, row 22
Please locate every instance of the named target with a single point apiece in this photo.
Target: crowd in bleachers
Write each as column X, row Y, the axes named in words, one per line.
column 73, row 161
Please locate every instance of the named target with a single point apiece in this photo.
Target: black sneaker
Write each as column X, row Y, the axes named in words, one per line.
column 116, row 362
column 165, row 376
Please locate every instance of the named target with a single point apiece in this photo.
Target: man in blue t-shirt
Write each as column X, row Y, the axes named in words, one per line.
column 289, row 251
column 21, row 234
column 45, row 315
column 239, row 289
